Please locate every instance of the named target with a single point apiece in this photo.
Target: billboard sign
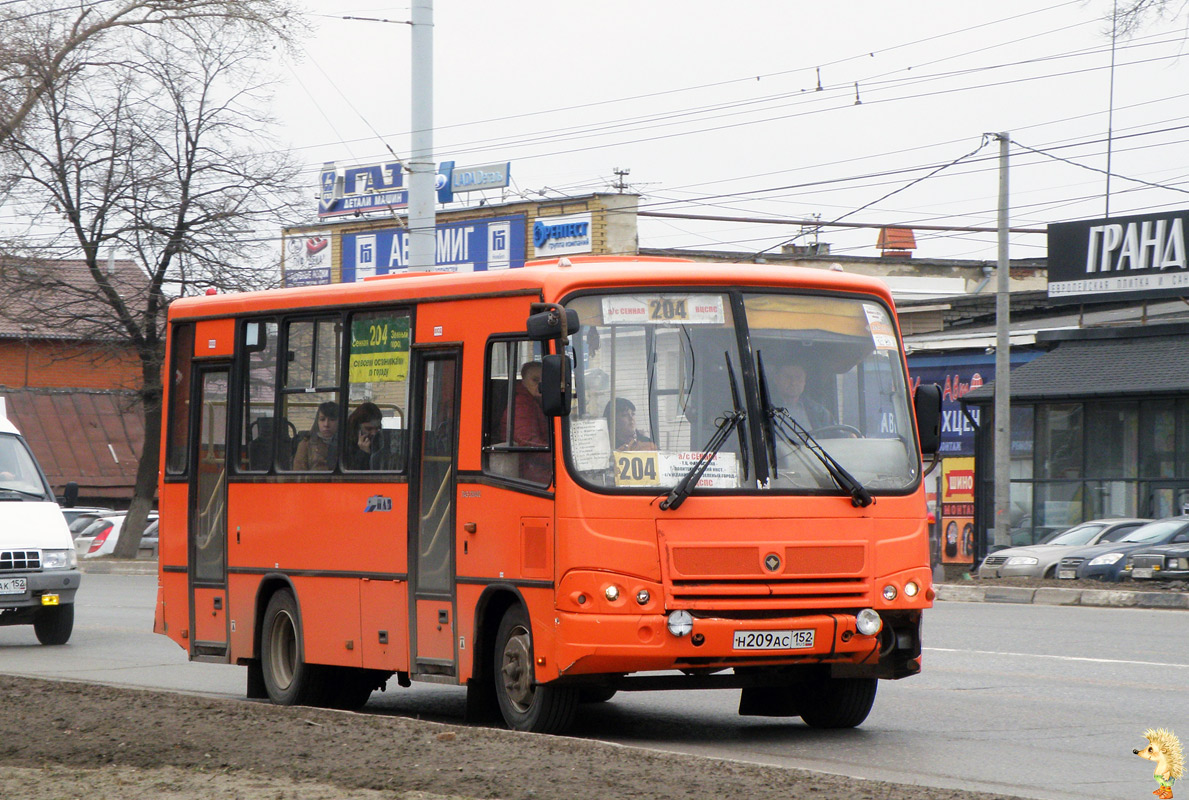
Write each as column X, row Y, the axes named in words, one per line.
column 362, row 188
column 307, row 260
column 559, row 236
column 1118, row 258
column 478, row 245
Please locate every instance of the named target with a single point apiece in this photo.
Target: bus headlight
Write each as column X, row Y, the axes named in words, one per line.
column 867, row 622
column 680, row 623
column 611, row 593
column 889, row 592
column 911, row 588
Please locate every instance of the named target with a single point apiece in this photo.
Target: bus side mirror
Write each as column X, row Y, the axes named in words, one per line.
column 545, row 325
column 557, row 378
column 927, row 402
column 70, row 494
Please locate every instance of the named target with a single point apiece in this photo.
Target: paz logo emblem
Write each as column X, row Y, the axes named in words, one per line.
column 772, row 562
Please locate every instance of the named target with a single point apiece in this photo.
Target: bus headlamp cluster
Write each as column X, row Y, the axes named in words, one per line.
column 868, row 622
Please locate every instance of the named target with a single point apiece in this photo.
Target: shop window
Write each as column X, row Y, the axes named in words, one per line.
column 1059, row 441
column 1113, row 449
column 1058, row 506
column 1111, row 499
column 1158, row 440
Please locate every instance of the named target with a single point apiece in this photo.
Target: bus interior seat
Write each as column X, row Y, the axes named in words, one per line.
column 260, row 445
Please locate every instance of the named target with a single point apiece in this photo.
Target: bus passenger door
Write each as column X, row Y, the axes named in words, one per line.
column 433, row 464
column 207, row 535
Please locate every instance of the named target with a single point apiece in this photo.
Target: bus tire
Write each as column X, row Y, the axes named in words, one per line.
column 54, row 624
column 837, row 702
column 288, row 679
column 524, row 704
column 596, row 694
column 349, row 688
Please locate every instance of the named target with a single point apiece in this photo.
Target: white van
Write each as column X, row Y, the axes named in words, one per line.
column 38, row 568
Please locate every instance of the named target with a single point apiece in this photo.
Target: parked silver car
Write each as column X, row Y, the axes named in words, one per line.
column 1040, row 560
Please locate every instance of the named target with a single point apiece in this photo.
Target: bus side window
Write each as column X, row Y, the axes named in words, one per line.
column 375, row 435
column 517, row 436
column 310, row 396
column 260, row 429
column 177, row 453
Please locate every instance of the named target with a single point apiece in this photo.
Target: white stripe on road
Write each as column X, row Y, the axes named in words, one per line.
column 1057, row 658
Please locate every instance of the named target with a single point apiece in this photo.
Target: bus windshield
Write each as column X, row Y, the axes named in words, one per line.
column 659, row 373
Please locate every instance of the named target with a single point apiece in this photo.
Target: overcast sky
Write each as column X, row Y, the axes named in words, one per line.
column 716, row 110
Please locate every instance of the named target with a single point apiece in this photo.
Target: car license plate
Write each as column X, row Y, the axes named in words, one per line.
column 1141, row 572
column 13, row 585
column 1067, row 574
column 773, row 640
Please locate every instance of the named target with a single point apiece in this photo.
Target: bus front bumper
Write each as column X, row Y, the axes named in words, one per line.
column 616, row 643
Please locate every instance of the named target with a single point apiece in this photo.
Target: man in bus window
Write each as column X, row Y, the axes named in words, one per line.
column 530, row 426
column 788, row 387
column 318, row 450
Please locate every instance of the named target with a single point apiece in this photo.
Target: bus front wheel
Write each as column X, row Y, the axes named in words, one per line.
column 288, row 679
column 525, row 704
column 837, row 702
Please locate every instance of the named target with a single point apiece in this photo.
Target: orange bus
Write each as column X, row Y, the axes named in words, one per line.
column 549, row 484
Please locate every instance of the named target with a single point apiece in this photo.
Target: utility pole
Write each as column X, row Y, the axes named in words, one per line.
column 422, row 170
column 621, row 183
column 1003, row 361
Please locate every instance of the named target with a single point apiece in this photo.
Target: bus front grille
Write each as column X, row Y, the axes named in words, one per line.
column 756, row 595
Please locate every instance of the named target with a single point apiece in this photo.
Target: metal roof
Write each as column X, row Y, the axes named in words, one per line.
column 1100, row 364
column 88, row 436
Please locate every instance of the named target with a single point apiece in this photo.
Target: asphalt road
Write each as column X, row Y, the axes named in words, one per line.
column 1030, row 700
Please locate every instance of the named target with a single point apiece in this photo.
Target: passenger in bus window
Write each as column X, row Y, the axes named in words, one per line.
column 530, row 426
column 318, row 450
column 363, row 437
column 788, row 388
column 627, row 437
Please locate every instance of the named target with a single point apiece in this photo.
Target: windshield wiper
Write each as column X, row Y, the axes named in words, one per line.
column 779, row 420
column 726, row 423
column 21, row 494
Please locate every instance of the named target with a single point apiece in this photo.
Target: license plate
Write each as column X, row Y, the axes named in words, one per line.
column 1067, row 574
column 1141, row 572
column 13, row 585
column 773, row 640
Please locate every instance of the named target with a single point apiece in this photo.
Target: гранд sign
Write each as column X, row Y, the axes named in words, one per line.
column 1118, row 258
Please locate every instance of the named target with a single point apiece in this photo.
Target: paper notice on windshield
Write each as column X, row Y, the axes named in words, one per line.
column 590, row 444
column 723, row 472
column 883, row 334
column 662, row 309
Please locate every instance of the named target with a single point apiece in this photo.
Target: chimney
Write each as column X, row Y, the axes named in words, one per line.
column 896, row 243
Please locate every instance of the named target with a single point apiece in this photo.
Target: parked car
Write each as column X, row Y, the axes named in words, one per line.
column 101, row 536
column 1106, row 561
column 1040, row 560
column 1164, row 562
column 82, row 518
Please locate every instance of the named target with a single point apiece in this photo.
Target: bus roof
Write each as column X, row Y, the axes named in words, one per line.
column 552, row 279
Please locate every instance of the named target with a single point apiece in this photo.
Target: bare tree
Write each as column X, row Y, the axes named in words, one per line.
column 164, row 155
column 1129, row 16
column 44, row 42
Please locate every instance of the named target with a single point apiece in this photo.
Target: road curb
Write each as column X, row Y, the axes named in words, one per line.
column 1100, row 598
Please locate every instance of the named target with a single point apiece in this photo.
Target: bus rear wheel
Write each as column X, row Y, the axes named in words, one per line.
column 54, row 624
column 837, row 702
column 288, row 679
column 525, row 704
